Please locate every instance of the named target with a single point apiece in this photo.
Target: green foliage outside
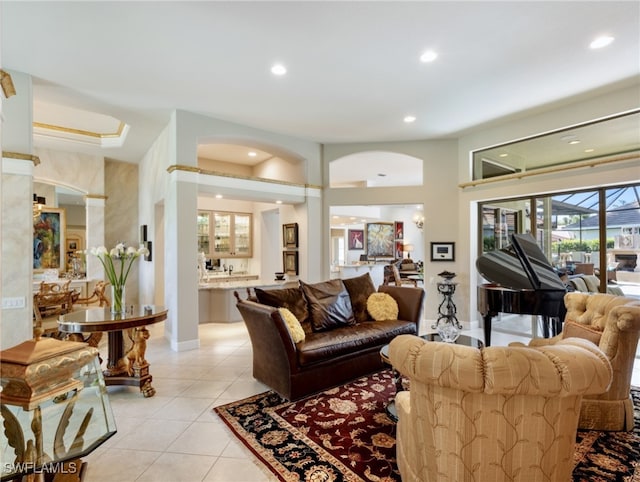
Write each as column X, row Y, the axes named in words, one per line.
column 572, row 246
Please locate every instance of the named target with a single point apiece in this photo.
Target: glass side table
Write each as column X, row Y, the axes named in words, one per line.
column 55, row 409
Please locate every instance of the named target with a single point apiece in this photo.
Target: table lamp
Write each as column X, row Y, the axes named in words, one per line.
column 408, row 248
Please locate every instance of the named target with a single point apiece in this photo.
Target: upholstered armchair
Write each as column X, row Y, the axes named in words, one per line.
column 612, row 323
column 492, row 414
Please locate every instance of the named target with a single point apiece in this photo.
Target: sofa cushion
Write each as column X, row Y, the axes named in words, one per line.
column 293, row 325
column 381, row 306
column 360, row 288
column 328, row 345
column 329, row 304
column 289, row 298
column 571, row 329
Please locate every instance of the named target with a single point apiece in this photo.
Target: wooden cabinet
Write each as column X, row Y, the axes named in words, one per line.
column 225, row 234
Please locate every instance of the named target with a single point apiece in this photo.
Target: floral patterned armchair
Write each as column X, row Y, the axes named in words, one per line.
column 497, row 413
column 612, row 323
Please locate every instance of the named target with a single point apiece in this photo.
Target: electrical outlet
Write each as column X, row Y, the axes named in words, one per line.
column 13, row 303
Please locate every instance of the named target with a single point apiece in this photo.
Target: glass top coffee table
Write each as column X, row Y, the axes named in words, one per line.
column 384, row 354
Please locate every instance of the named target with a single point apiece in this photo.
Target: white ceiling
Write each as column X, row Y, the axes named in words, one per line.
column 353, row 67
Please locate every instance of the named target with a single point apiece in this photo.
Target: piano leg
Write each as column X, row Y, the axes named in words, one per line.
column 545, row 326
column 486, row 325
column 551, row 326
column 557, row 325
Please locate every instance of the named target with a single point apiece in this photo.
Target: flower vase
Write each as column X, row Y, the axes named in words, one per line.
column 118, row 305
column 448, row 331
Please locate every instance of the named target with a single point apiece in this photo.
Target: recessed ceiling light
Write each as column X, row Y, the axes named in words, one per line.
column 278, row 201
column 252, row 154
column 278, row 69
column 409, row 119
column 575, row 141
column 589, row 150
column 428, row 56
column 218, row 196
column 504, row 154
column 601, row 42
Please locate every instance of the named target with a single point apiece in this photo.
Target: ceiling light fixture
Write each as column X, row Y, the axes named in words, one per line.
column 575, row 141
column 278, row 201
column 409, row 119
column 589, row 150
column 278, row 69
column 601, row 42
column 428, row 56
column 252, row 154
column 218, row 196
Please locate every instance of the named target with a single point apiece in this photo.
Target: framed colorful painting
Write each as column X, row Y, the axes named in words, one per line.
column 49, row 244
column 356, row 239
column 380, row 239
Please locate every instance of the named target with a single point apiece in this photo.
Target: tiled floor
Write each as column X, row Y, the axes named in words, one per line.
column 174, row 436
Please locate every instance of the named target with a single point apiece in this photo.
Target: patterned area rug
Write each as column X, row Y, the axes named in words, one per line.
column 344, row 434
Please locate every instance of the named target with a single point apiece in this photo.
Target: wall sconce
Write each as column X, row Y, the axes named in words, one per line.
column 38, row 203
column 418, row 219
column 7, row 84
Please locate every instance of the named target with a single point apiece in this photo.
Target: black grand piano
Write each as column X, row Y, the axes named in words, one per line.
column 523, row 282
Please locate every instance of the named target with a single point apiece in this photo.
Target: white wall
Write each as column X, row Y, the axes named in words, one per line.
column 438, row 193
column 178, row 190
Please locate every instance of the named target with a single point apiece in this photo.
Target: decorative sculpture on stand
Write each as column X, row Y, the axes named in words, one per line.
column 447, row 326
column 203, row 274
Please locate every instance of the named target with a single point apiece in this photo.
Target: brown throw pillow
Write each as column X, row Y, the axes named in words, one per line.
column 360, row 288
column 329, row 304
column 571, row 329
column 289, row 298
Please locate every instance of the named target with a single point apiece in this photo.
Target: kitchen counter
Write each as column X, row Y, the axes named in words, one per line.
column 216, row 302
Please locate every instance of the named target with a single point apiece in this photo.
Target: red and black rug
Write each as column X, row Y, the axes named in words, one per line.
column 344, row 434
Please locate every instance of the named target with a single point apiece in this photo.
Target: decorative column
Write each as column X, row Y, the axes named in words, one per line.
column 16, row 213
column 95, row 206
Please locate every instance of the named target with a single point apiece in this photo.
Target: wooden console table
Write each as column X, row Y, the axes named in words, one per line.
column 132, row 368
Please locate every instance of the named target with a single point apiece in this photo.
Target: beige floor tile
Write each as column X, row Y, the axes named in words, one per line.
column 172, row 467
column 183, row 408
column 153, row 435
column 237, row 470
column 202, row 439
column 116, row 465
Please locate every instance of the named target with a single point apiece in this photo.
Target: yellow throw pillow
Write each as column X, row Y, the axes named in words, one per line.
column 382, row 306
column 295, row 328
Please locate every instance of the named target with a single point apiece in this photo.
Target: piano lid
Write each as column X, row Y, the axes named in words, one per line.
column 520, row 266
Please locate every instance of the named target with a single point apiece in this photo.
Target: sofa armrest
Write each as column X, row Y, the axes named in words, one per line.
column 410, row 302
column 273, row 347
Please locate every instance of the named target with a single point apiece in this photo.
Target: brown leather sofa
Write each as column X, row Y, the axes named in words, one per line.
column 328, row 358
